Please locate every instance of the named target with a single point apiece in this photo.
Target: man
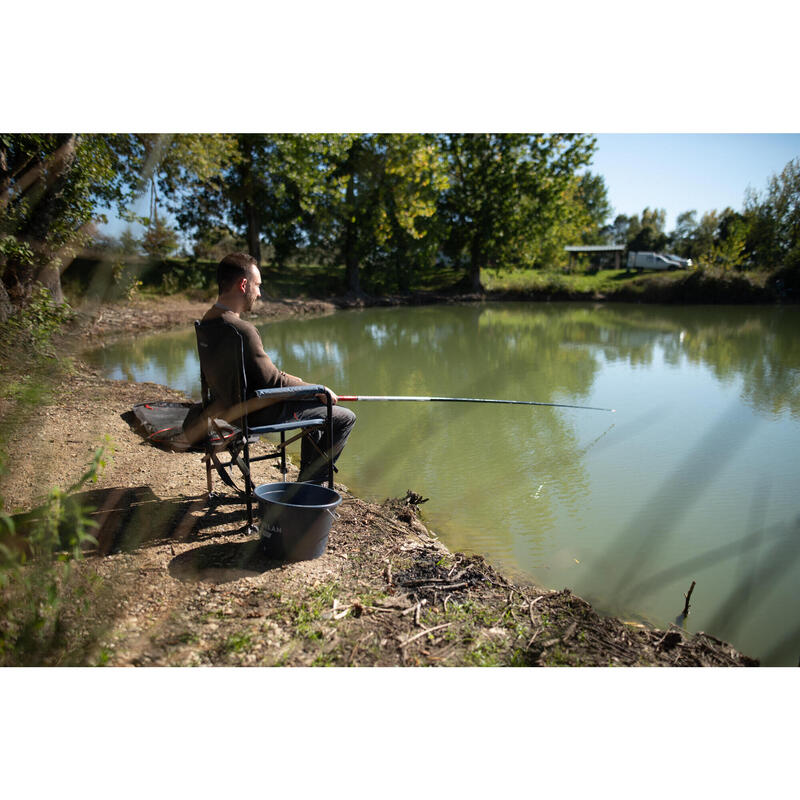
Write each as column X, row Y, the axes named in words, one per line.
column 239, row 282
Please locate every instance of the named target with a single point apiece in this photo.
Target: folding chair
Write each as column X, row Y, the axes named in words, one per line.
column 223, row 381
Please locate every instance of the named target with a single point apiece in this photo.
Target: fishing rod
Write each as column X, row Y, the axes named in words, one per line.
column 408, row 398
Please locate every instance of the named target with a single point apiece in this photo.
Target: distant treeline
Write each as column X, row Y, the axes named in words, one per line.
column 386, row 209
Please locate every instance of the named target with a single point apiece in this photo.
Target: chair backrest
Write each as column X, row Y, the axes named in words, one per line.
column 220, row 348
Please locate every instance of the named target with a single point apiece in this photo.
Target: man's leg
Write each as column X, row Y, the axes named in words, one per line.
column 313, row 461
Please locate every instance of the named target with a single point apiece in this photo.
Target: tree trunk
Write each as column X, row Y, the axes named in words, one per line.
column 253, row 232
column 351, row 240
column 48, row 181
column 404, row 269
column 351, row 267
column 475, row 264
column 50, row 277
column 251, row 215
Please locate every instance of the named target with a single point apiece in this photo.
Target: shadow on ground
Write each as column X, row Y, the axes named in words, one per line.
column 222, row 563
column 132, row 517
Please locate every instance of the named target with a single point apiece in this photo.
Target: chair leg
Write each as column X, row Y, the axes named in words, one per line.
column 330, row 441
column 283, row 456
column 248, row 486
column 209, row 479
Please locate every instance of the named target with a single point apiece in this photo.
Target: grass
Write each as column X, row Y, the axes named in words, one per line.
column 238, row 643
column 707, row 285
column 537, row 280
column 305, row 615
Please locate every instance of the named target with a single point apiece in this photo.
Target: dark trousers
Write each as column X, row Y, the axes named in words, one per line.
column 313, row 463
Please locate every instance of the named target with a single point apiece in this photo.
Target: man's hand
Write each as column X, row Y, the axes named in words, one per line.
column 324, row 399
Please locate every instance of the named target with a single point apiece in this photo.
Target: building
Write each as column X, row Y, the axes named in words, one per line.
column 605, row 249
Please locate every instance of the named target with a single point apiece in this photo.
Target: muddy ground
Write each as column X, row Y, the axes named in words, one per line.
column 184, row 583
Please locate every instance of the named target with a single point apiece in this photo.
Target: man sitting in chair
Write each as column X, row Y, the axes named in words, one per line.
column 239, row 281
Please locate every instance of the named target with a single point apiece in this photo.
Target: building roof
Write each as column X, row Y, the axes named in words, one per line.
column 596, row 248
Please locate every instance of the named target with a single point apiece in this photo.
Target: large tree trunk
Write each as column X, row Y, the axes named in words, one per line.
column 475, row 264
column 43, row 184
column 253, row 232
column 251, row 214
column 50, row 277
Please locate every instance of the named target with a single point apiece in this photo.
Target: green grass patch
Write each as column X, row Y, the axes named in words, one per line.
column 305, row 614
column 556, row 281
column 238, row 643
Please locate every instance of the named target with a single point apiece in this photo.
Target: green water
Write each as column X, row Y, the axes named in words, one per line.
column 695, row 477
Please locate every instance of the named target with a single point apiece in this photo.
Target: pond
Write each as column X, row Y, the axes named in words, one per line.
column 696, row 477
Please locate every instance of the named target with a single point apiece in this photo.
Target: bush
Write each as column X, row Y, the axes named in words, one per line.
column 45, row 605
column 36, row 323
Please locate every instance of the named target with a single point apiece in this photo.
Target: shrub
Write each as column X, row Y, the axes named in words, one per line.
column 45, row 604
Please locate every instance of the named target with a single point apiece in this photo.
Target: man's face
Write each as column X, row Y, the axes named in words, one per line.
column 253, row 289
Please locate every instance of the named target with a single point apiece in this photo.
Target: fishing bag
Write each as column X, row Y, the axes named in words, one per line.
column 177, row 427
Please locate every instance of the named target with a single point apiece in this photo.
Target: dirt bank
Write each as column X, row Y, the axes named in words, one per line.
column 184, row 584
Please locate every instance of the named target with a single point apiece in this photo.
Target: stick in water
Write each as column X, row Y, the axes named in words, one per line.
column 408, row 398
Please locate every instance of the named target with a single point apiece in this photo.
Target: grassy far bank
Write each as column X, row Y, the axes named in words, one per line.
column 97, row 280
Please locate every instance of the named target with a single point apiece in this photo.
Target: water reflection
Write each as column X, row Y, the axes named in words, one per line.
column 695, row 478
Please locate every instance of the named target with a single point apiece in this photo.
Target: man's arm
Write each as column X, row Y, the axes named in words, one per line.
column 267, row 375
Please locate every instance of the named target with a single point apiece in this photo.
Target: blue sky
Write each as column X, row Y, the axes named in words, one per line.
column 681, row 172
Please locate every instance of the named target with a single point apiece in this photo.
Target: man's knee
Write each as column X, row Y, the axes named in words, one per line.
column 343, row 418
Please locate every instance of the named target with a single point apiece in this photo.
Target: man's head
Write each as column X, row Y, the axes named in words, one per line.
column 239, row 279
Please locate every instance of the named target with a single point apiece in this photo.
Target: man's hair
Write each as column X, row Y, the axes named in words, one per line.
column 232, row 269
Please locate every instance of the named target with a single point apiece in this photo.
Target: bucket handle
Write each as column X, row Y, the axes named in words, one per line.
column 333, row 514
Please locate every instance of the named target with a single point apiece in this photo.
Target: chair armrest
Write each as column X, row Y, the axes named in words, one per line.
column 287, row 392
column 287, row 426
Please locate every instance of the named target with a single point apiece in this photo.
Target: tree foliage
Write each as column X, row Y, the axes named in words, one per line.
column 392, row 184
column 765, row 235
column 387, row 207
column 159, row 240
column 53, row 187
column 49, row 186
column 507, row 193
column 772, row 220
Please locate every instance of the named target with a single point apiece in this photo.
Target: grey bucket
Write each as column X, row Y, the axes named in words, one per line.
column 295, row 519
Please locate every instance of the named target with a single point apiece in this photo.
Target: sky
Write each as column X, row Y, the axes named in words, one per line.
column 683, row 172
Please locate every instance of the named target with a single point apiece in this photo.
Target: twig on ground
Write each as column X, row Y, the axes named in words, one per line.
column 413, row 608
column 530, row 608
column 422, row 633
column 425, row 582
column 569, row 632
column 437, row 588
column 357, row 645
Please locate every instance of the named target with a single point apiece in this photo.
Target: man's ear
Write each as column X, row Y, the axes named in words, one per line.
column 243, row 285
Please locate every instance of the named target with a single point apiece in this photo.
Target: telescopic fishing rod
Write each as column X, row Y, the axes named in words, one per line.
column 408, row 398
